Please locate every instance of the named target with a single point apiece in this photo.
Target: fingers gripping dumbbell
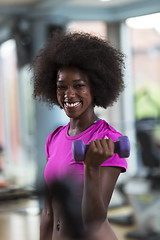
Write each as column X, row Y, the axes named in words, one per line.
column 121, row 147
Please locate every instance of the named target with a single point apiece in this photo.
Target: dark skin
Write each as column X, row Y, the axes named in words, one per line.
column 74, row 96
column 73, row 88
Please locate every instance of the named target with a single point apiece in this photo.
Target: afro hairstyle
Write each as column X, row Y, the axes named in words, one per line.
column 102, row 63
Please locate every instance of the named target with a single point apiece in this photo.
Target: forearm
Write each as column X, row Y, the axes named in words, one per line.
column 93, row 208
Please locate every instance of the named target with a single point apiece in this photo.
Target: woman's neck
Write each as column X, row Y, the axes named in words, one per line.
column 81, row 124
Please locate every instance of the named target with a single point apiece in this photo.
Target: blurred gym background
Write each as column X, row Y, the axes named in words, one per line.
column 133, row 26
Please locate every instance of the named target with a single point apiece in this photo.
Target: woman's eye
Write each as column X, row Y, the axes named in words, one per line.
column 79, row 85
column 60, row 87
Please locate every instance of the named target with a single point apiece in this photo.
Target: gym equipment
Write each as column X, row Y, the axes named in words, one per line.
column 121, row 147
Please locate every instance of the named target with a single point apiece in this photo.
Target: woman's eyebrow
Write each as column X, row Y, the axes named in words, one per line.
column 79, row 80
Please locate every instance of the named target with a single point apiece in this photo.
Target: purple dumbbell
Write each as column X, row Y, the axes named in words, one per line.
column 121, row 147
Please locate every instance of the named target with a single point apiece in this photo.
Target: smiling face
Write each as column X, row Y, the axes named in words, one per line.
column 73, row 92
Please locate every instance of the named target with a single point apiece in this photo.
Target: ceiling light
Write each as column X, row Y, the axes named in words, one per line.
column 145, row 22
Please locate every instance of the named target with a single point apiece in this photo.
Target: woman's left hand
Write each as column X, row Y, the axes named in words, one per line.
column 99, row 151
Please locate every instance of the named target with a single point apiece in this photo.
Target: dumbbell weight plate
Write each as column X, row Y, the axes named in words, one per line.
column 78, row 150
column 122, row 147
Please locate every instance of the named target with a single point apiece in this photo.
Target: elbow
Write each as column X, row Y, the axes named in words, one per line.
column 95, row 220
column 102, row 218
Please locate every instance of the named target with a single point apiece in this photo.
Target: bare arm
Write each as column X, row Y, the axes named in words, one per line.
column 99, row 183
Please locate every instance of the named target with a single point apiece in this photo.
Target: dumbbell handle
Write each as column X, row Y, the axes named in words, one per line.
column 121, row 147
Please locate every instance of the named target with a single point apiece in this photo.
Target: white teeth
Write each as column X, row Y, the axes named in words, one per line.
column 72, row 104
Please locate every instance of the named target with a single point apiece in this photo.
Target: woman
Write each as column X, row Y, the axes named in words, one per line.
column 78, row 71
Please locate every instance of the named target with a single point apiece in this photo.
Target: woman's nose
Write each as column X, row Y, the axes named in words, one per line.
column 70, row 92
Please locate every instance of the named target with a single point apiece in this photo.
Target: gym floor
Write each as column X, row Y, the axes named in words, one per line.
column 20, row 219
